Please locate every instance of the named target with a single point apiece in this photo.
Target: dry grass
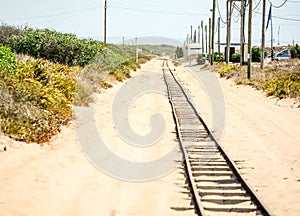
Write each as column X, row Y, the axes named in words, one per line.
column 278, row 78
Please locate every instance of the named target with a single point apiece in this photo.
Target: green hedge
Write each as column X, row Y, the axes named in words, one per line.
column 56, row 47
column 7, row 61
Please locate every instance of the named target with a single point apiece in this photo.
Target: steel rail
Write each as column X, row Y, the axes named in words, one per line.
column 261, row 207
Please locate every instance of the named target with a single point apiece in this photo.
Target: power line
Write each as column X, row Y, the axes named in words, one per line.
column 56, row 14
column 279, row 6
column 281, row 18
column 258, row 4
column 222, row 20
column 158, row 12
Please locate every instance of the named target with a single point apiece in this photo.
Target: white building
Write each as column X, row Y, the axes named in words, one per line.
column 192, row 49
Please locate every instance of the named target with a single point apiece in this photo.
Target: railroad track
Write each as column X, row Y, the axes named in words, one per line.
column 215, row 182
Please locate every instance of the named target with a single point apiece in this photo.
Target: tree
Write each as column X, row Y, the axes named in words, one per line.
column 256, row 54
column 179, row 52
column 295, row 51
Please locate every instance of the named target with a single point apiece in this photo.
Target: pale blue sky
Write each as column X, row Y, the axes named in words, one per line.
column 136, row 18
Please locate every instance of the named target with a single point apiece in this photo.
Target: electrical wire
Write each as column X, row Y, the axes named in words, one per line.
column 279, row 6
column 258, row 4
column 56, row 14
column 236, row 7
column 222, row 20
column 158, row 12
column 281, row 18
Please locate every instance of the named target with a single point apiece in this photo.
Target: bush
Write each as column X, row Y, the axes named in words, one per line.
column 7, row 61
column 56, row 47
column 256, row 54
column 282, row 86
column 295, row 51
column 179, row 52
column 7, row 31
column 218, row 57
column 201, row 59
column 236, row 57
column 36, row 100
column 228, row 68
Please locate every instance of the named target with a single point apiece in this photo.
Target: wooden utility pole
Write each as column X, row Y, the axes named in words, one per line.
column 228, row 37
column 278, row 36
column 263, row 36
column 137, row 51
column 219, row 35
column 209, row 41
column 213, row 32
column 242, row 36
column 191, row 34
column 105, row 10
column 206, row 51
column 249, row 40
column 272, row 49
column 202, row 31
column 199, row 33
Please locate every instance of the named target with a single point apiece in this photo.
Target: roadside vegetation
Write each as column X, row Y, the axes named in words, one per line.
column 43, row 73
column 279, row 78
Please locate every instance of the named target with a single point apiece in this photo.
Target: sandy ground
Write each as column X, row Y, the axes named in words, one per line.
column 261, row 134
column 57, row 178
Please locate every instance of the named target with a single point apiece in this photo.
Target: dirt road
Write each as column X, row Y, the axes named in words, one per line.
column 57, row 178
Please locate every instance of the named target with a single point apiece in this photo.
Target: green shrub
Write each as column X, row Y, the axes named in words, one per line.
column 295, row 51
column 56, row 47
column 218, row 57
column 36, row 100
column 236, row 57
column 256, row 54
column 7, row 61
column 179, row 52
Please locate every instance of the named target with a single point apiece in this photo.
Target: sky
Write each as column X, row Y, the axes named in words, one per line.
column 138, row 18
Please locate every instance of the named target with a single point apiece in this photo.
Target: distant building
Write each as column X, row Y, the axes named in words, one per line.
column 192, row 49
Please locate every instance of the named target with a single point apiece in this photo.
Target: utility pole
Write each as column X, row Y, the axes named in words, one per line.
column 209, row 41
column 278, row 36
column 105, row 10
column 195, row 36
column 137, row 51
column 249, row 40
column 191, row 34
column 219, row 35
column 270, row 19
column 213, row 32
column 206, row 39
column 263, row 36
column 199, row 33
column 228, row 37
column 242, row 36
column 202, row 31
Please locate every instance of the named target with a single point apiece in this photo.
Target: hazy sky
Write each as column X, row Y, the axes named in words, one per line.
column 136, row 18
